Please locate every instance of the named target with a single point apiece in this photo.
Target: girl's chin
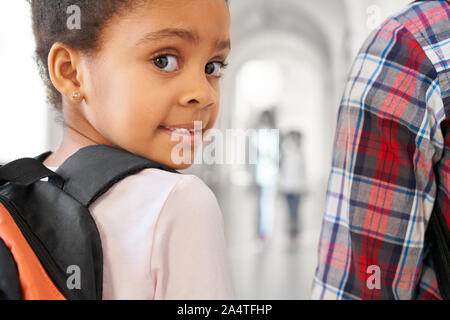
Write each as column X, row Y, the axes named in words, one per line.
column 182, row 166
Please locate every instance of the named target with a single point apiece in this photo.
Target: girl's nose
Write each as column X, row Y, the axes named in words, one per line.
column 198, row 93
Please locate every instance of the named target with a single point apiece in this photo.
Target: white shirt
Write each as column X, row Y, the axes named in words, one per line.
column 162, row 238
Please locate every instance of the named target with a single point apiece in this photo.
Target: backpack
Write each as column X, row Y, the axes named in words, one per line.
column 50, row 247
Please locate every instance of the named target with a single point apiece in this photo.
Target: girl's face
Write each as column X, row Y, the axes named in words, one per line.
column 158, row 65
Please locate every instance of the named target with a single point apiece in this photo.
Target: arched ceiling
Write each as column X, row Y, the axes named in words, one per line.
column 318, row 22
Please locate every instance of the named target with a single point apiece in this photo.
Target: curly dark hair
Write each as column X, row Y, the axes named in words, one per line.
column 50, row 26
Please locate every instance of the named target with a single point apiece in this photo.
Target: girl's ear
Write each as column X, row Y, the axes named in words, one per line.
column 65, row 71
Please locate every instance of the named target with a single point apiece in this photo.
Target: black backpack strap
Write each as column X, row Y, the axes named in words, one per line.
column 43, row 156
column 93, row 170
column 26, row 171
column 9, row 276
column 438, row 236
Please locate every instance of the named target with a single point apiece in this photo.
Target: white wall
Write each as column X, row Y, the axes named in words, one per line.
column 365, row 15
column 23, row 116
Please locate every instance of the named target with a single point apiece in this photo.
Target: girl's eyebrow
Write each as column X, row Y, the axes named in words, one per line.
column 184, row 34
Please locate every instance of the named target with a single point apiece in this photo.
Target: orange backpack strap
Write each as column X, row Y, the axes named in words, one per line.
column 34, row 281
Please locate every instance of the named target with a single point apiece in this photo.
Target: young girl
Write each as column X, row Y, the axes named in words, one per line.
column 130, row 74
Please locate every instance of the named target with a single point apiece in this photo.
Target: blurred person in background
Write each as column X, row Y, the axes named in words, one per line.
column 267, row 143
column 292, row 180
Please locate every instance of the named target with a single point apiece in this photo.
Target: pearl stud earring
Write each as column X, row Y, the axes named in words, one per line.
column 76, row 96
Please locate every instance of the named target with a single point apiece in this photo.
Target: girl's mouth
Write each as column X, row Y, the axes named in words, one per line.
column 187, row 133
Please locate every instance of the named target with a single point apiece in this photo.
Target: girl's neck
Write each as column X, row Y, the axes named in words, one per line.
column 73, row 140
column 75, row 137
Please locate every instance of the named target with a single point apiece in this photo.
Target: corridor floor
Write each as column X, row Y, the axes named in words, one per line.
column 274, row 269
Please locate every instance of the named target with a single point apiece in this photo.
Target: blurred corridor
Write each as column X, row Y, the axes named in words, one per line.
column 276, row 269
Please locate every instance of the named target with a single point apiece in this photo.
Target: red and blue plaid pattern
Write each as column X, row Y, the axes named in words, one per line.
column 391, row 162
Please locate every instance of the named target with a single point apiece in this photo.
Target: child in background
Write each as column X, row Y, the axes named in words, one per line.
column 132, row 75
column 292, row 181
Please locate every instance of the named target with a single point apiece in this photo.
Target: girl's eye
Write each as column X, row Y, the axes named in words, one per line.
column 215, row 68
column 166, row 62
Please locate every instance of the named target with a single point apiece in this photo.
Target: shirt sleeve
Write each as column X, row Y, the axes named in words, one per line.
column 189, row 259
column 382, row 186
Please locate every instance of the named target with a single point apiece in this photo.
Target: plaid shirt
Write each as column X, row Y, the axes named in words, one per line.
column 391, row 162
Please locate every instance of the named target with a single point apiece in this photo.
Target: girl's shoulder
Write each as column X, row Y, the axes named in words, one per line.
column 155, row 189
column 150, row 193
column 160, row 186
column 184, row 190
column 164, row 179
column 180, row 198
